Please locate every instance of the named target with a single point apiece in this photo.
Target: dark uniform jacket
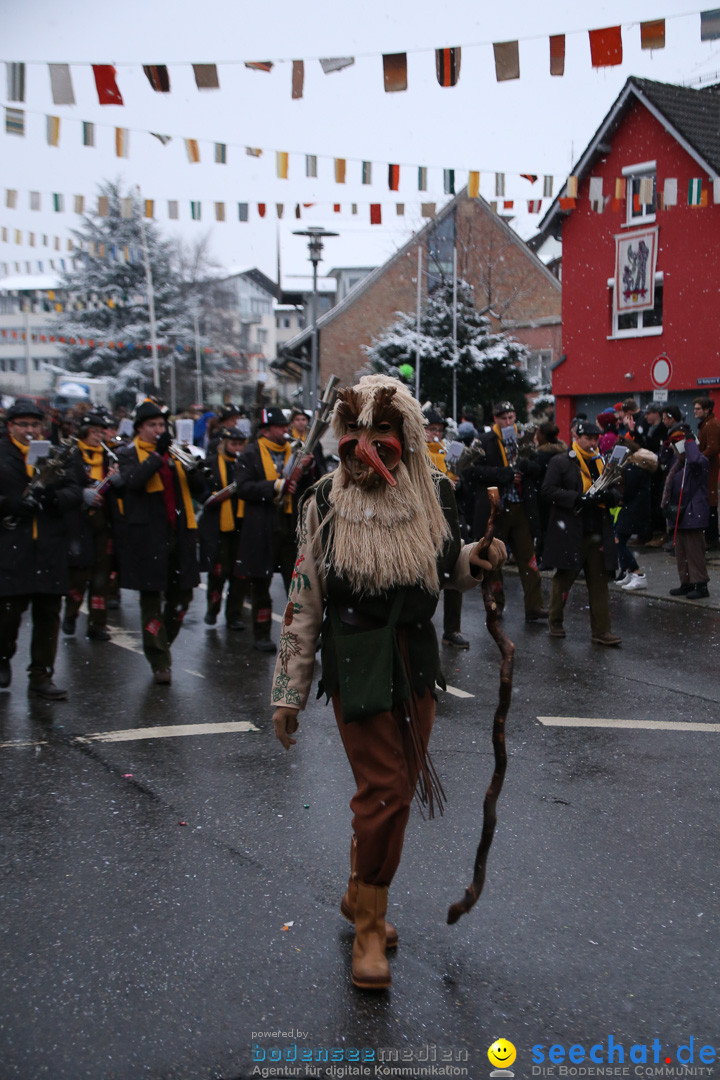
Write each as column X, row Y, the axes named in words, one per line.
column 85, row 521
column 209, row 523
column 146, row 534
column 491, row 471
column 30, row 565
column 263, row 520
column 563, row 538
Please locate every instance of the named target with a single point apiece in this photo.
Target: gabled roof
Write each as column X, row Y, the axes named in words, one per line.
column 691, row 116
column 417, row 238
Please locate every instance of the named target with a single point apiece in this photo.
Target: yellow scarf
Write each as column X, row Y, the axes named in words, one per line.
column 268, row 464
column 436, row 452
column 30, row 472
column 498, row 431
column 226, row 517
column 155, row 482
column 295, row 434
column 583, row 457
column 92, row 456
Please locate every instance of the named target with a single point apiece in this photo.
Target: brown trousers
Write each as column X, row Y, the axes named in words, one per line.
column 381, row 757
column 690, row 556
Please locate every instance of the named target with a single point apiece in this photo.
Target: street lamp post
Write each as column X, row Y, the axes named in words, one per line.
column 315, row 235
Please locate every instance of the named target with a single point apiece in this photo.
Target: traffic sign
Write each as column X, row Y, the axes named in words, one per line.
column 661, row 370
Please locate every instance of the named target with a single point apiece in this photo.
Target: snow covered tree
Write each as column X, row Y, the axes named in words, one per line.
column 106, row 322
column 489, row 364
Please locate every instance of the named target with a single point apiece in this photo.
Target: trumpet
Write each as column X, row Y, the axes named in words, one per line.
column 186, row 459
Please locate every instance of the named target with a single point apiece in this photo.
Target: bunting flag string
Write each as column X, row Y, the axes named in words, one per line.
column 606, row 50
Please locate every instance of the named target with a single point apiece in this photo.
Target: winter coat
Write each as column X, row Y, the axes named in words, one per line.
column 146, row 536
column 28, row 565
column 83, row 521
column 636, row 504
column 263, row 520
column 694, row 503
column 491, row 471
column 209, row 523
column 709, row 445
column 564, row 535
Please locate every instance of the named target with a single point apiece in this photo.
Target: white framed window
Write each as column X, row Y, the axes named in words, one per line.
column 640, row 192
column 637, row 323
column 539, row 366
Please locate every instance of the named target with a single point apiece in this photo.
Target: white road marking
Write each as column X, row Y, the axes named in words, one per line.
column 169, row 731
column 629, row 725
column 126, row 639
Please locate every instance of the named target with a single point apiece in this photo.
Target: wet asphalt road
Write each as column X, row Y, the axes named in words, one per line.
column 169, row 905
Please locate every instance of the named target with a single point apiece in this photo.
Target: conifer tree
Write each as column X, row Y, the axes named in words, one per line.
column 106, row 323
column 490, row 365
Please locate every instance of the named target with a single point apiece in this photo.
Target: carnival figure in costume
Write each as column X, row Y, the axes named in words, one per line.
column 378, row 540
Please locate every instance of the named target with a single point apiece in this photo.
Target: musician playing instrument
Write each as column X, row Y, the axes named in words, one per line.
column 267, row 539
column 219, row 529
column 158, row 555
column 518, row 523
column 91, row 543
column 580, row 532
column 33, row 548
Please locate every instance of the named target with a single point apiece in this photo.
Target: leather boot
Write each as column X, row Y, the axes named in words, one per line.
column 370, row 969
column 349, row 900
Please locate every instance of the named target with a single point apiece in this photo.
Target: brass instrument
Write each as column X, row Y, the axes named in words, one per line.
column 319, row 426
column 47, row 471
column 186, row 459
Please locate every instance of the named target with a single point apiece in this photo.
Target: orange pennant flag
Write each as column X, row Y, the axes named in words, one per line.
column 652, row 34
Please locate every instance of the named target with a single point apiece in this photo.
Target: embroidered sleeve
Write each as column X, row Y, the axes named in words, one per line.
column 302, row 621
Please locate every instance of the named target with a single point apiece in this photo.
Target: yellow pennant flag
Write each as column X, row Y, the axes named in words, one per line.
column 193, row 151
column 281, row 164
column 473, row 185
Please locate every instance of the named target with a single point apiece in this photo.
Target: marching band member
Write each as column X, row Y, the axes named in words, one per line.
column 219, row 529
column 158, row 556
column 33, row 551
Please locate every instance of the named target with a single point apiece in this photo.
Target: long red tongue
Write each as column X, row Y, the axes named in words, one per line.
column 366, row 451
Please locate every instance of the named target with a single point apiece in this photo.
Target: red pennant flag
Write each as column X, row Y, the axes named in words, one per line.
column 375, row 214
column 534, row 206
column 336, row 208
column 529, row 176
column 557, row 54
column 508, row 204
column 393, row 177
column 606, row 47
column 447, row 66
column 259, row 65
column 261, row 209
column 566, row 203
column 107, row 88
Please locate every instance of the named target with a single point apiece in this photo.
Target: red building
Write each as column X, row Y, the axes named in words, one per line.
column 640, row 266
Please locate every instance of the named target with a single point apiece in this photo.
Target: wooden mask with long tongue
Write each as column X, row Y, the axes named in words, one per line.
column 372, row 446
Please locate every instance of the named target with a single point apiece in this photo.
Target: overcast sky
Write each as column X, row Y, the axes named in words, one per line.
column 536, row 124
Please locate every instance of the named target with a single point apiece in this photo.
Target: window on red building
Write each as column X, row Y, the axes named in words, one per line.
column 637, row 323
column 641, row 192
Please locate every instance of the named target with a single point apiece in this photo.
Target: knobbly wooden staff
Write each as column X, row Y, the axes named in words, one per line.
column 507, row 653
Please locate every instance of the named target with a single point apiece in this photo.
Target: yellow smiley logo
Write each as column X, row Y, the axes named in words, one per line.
column 502, row 1054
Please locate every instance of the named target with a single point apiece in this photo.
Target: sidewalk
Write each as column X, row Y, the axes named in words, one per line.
column 661, row 572
column 662, row 576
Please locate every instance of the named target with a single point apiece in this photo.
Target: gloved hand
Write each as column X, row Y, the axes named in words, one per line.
column 90, row 497
column 493, row 558
column 162, row 445
column 586, row 500
column 285, row 722
column 16, row 506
